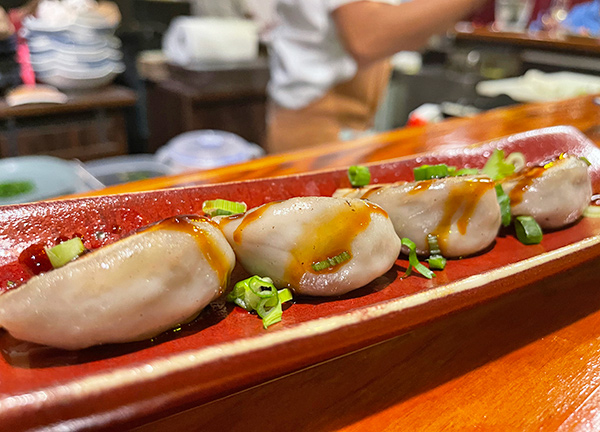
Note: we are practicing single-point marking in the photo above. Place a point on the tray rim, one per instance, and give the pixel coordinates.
(98, 383)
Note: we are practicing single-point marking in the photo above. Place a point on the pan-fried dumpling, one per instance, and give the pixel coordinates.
(554, 194)
(283, 240)
(130, 290)
(462, 212)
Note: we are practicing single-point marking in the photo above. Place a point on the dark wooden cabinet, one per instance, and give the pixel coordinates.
(232, 99)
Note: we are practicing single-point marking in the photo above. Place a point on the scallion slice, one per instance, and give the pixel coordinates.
(64, 252)
(436, 260)
(428, 172)
(528, 231)
(586, 160)
(592, 211)
(260, 295)
(496, 166)
(413, 261)
(466, 171)
(221, 207)
(285, 295)
(331, 262)
(359, 175)
(434, 248)
(504, 202)
(517, 160)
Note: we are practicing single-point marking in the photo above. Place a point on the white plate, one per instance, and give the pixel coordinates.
(537, 86)
(68, 80)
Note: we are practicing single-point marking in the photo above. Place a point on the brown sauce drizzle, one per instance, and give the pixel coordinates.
(466, 196)
(420, 186)
(526, 179)
(371, 191)
(248, 219)
(373, 188)
(329, 239)
(192, 225)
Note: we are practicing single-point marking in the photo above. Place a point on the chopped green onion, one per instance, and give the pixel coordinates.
(517, 159)
(359, 175)
(466, 171)
(221, 207)
(592, 211)
(285, 295)
(64, 252)
(428, 172)
(434, 248)
(413, 261)
(586, 160)
(331, 262)
(504, 202)
(528, 231)
(260, 295)
(270, 311)
(496, 166)
(436, 260)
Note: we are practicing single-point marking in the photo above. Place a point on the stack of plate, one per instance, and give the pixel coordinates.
(77, 51)
(9, 69)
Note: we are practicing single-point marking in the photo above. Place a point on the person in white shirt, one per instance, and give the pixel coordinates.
(329, 63)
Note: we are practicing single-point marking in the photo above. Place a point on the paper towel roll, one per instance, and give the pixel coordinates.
(195, 40)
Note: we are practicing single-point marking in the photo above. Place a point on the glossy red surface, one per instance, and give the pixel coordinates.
(226, 348)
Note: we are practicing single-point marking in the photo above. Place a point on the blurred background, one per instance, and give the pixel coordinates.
(115, 91)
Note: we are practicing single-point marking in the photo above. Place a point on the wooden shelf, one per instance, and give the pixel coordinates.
(88, 126)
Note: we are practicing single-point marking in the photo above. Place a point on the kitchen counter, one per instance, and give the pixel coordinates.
(526, 361)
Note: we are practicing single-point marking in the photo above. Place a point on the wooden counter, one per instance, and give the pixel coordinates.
(582, 113)
(539, 40)
(527, 361)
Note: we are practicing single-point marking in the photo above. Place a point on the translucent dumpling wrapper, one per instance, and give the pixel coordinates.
(286, 240)
(130, 290)
(462, 212)
(555, 194)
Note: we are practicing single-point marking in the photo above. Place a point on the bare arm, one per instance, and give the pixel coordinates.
(372, 31)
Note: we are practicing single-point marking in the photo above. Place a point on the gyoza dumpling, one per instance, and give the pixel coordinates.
(282, 240)
(463, 212)
(554, 194)
(130, 290)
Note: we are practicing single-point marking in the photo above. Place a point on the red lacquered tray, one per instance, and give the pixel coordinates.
(226, 349)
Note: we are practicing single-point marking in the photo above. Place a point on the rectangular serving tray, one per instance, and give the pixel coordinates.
(226, 349)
